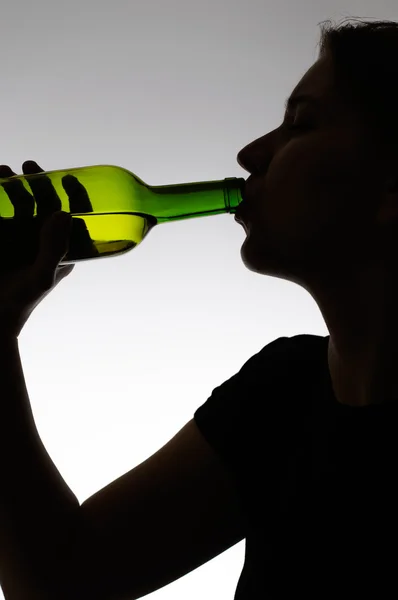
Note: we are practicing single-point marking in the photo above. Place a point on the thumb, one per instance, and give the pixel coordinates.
(54, 244)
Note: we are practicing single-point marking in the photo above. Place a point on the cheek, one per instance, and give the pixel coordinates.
(309, 209)
(307, 187)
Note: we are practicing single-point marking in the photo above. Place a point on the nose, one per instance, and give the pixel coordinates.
(242, 159)
(253, 157)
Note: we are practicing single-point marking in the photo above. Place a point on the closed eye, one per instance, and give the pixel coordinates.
(297, 125)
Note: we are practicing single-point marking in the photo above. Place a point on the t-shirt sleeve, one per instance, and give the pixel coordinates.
(242, 415)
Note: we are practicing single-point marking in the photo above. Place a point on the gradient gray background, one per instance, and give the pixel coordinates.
(121, 354)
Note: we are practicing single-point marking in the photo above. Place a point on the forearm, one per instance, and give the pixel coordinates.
(38, 511)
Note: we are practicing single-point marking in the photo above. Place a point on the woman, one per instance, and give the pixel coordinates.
(296, 453)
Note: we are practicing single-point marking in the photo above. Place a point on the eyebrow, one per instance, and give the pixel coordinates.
(293, 101)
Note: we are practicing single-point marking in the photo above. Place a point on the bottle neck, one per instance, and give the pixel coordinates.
(200, 199)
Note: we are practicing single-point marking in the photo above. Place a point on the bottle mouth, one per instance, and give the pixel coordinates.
(241, 190)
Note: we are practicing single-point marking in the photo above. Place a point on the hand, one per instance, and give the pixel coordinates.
(19, 236)
(30, 269)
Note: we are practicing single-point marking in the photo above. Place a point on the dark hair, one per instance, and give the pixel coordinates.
(365, 60)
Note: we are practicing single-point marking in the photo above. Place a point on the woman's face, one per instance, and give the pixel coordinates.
(310, 201)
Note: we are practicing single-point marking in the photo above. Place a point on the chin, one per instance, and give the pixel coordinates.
(262, 260)
(251, 259)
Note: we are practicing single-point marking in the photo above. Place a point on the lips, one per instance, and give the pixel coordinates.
(240, 211)
(246, 191)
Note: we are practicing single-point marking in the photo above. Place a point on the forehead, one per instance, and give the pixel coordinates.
(331, 102)
(317, 81)
(320, 85)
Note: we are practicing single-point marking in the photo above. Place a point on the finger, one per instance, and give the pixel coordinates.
(30, 166)
(58, 276)
(81, 244)
(47, 199)
(62, 272)
(6, 171)
(79, 201)
(20, 198)
(54, 242)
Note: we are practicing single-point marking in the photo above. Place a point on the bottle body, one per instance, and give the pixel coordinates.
(112, 209)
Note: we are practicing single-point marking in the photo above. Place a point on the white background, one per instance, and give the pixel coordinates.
(118, 358)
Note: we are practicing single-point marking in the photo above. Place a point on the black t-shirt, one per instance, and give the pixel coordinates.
(317, 480)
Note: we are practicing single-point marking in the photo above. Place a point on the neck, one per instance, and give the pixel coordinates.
(362, 319)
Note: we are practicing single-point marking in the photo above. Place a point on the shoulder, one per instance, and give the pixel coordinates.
(272, 388)
(287, 354)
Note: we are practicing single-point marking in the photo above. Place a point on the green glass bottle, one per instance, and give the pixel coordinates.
(113, 210)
